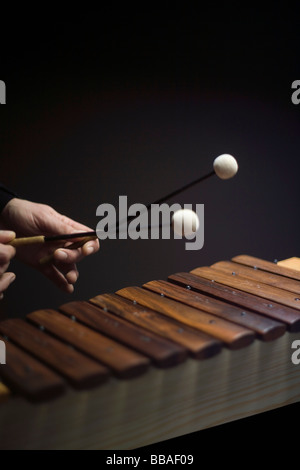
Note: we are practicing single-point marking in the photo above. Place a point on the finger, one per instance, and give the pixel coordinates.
(70, 271)
(5, 280)
(72, 225)
(74, 256)
(6, 236)
(6, 253)
(52, 273)
(56, 223)
(3, 268)
(90, 247)
(72, 276)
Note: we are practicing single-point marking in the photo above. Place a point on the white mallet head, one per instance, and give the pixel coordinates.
(225, 166)
(185, 222)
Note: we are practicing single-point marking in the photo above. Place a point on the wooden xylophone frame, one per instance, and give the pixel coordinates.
(247, 377)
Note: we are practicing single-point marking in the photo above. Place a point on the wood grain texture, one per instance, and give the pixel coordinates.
(275, 294)
(257, 275)
(163, 353)
(267, 266)
(266, 329)
(286, 315)
(124, 362)
(199, 345)
(234, 336)
(27, 376)
(27, 241)
(79, 370)
(163, 403)
(159, 405)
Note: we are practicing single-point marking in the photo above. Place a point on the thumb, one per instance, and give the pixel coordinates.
(6, 236)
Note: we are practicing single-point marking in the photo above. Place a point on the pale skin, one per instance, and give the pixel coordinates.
(24, 218)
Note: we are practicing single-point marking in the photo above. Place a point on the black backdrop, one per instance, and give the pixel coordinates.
(133, 102)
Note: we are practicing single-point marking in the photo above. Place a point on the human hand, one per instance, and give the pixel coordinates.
(7, 252)
(28, 219)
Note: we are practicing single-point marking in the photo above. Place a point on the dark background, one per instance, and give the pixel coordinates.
(136, 102)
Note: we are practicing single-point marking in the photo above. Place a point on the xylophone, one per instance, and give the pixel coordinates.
(154, 362)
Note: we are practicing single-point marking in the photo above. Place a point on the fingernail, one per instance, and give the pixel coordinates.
(8, 233)
(89, 250)
(13, 277)
(62, 254)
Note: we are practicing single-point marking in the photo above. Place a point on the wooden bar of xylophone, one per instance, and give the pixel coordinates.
(149, 363)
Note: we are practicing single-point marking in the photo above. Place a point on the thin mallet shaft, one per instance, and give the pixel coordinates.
(68, 236)
(169, 196)
(43, 239)
(180, 190)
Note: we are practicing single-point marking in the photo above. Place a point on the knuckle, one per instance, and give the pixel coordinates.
(7, 253)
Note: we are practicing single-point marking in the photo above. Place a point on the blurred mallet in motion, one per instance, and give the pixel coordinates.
(184, 222)
(225, 167)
